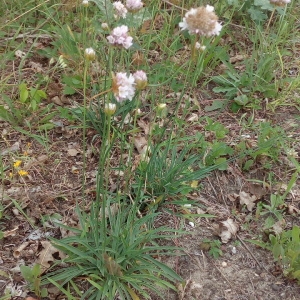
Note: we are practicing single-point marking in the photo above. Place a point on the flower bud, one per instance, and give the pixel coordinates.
(161, 106)
(85, 3)
(162, 110)
(110, 109)
(104, 26)
(90, 54)
(199, 47)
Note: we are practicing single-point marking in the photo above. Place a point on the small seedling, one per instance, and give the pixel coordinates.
(33, 277)
(213, 247)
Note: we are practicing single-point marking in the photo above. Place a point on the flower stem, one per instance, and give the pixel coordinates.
(270, 20)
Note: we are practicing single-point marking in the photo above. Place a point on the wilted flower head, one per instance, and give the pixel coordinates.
(85, 2)
(104, 26)
(201, 21)
(140, 79)
(134, 5)
(119, 37)
(123, 86)
(120, 9)
(89, 53)
(110, 108)
(280, 2)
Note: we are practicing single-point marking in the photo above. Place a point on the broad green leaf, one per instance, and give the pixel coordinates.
(44, 292)
(241, 100)
(47, 126)
(217, 104)
(27, 273)
(23, 92)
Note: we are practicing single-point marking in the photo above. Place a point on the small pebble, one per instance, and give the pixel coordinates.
(192, 224)
(233, 250)
(15, 212)
(224, 264)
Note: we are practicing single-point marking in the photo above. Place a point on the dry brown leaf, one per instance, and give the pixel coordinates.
(73, 152)
(232, 197)
(46, 255)
(57, 101)
(20, 54)
(113, 210)
(257, 190)
(193, 118)
(236, 58)
(278, 226)
(36, 66)
(144, 125)
(247, 199)
(229, 229)
(293, 210)
(140, 143)
(14, 148)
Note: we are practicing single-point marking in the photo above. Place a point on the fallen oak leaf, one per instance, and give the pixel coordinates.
(45, 257)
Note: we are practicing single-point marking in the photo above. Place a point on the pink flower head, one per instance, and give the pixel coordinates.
(134, 5)
(120, 9)
(119, 37)
(280, 2)
(123, 86)
(140, 79)
(202, 21)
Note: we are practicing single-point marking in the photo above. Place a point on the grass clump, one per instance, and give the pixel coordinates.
(133, 74)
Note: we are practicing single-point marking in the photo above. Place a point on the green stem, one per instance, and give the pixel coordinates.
(86, 66)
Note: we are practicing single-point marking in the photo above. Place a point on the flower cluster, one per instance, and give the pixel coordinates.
(134, 5)
(17, 165)
(280, 2)
(120, 8)
(130, 5)
(120, 37)
(124, 86)
(202, 21)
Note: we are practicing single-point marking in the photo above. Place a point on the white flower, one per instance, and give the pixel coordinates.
(134, 5)
(90, 53)
(85, 2)
(140, 79)
(201, 21)
(119, 37)
(123, 86)
(120, 9)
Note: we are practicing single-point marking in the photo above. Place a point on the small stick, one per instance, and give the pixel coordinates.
(252, 255)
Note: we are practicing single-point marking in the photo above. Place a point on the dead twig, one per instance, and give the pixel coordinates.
(252, 255)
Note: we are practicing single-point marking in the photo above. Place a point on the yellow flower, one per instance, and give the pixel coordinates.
(23, 173)
(17, 163)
